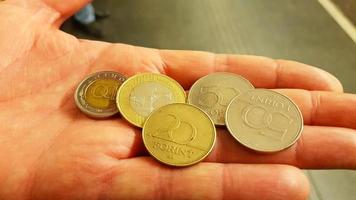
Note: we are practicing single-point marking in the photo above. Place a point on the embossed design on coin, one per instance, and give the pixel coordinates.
(170, 133)
(214, 92)
(96, 94)
(102, 93)
(271, 124)
(102, 89)
(179, 134)
(143, 93)
(264, 120)
(148, 96)
(215, 95)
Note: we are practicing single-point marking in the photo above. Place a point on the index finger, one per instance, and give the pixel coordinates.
(188, 66)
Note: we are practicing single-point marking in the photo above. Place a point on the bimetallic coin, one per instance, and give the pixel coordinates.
(143, 93)
(96, 94)
(179, 134)
(264, 120)
(214, 92)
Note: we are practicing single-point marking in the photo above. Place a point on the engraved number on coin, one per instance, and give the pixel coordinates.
(270, 124)
(216, 98)
(177, 136)
(104, 91)
(179, 132)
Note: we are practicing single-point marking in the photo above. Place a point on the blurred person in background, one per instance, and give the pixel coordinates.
(86, 20)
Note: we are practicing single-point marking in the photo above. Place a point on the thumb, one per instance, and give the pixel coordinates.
(65, 8)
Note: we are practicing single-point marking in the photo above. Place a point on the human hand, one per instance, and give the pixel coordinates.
(50, 150)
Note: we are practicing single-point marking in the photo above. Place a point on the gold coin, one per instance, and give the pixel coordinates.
(143, 93)
(214, 92)
(179, 134)
(264, 120)
(96, 94)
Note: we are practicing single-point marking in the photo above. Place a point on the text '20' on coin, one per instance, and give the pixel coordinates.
(96, 94)
(179, 134)
(214, 92)
(264, 120)
(143, 93)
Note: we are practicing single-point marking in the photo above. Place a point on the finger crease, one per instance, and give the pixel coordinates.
(315, 101)
(164, 185)
(278, 70)
(220, 62)
(298, 151)
(163, 67)
(226, 181)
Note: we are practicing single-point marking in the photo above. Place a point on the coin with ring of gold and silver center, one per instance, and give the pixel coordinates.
(143, 93)
(95, 95)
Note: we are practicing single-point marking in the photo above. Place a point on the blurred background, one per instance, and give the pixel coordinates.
(317, 32)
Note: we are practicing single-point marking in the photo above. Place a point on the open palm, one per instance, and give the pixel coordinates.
(50, 150)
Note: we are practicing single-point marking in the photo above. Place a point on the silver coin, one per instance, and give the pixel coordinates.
(264, 120)
(214, 92)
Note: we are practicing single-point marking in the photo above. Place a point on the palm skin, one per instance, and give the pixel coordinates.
(50, 150)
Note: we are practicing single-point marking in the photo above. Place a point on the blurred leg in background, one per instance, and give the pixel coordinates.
(86, 20)
(86, 15)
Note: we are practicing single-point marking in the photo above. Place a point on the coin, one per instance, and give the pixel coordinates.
(213, 93)
(96, 94)
(179, 134)
(143, 93)
(264, 120)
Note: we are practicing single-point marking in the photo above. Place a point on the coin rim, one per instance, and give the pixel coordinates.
(261, 150)
(118, 104)
(189, 98)
(180, 165)
(90, 113)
